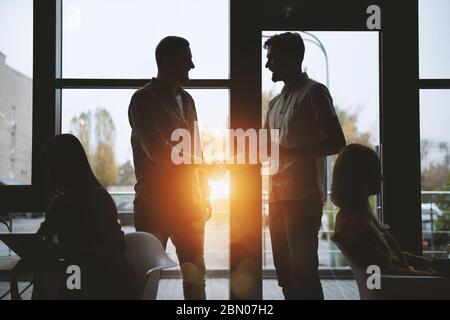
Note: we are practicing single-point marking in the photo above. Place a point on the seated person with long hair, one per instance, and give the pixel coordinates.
(81, 218)
(367, 241)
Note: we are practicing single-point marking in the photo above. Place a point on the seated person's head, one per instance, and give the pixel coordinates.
(65, 164)
(356, 176)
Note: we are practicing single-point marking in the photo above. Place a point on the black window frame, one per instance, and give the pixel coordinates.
(399, 86)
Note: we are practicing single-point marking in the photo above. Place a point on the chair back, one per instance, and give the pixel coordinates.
(147, 258)
(409, 287)
(360, 276)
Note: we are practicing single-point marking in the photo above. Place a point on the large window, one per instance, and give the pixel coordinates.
(96, 53)
(104, 51)
(435, 167)
(348, 63)
(434, 49)
(16, 70)
(107, 52)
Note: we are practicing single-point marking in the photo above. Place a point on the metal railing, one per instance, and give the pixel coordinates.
(220, 230)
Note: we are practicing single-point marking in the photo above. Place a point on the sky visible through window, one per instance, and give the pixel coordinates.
(117, 39)
(353, 73)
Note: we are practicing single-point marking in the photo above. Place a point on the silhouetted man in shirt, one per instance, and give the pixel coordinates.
(171, 200)
(309, 130)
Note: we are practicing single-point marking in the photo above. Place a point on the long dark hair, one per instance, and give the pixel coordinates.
(65, 165)
(356, 176)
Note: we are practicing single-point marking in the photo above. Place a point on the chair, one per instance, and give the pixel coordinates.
(8, 226)
(147, 258)
(395, 287)
(7, 265)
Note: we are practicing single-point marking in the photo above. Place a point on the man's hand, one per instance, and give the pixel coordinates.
(213, 171)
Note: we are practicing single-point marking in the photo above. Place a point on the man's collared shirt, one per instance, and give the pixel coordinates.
(296, 112)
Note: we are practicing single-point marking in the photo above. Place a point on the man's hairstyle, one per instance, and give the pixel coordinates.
(170, 46)
(288, 42)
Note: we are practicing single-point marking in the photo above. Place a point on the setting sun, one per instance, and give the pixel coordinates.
(220, 189)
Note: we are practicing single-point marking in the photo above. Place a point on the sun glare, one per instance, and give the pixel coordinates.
(220, 189)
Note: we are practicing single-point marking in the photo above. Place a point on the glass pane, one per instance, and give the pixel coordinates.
(213, 115)
(122, 43)
(16, 70)
(435, 167)
(434, 32)
(83, 108)
(353, 80)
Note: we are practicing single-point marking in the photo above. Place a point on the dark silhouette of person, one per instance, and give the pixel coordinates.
(356, 177)
(81, 220)
(309, 130)
(172, 200)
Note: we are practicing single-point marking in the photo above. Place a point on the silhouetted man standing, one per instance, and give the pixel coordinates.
(171, 200)
(309, 130)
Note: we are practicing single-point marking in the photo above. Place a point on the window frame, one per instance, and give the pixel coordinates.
(247, 20)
